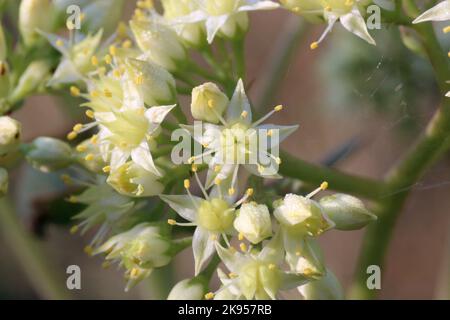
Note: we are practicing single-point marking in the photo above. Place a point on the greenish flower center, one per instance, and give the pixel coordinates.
(215, 215)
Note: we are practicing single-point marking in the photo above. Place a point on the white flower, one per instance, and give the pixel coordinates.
(139, 250)
(213, 216)
(253, 222)
(345, 11)
(440, 12)
(225, 16)
(256, 275)
(236, 143)
(78, 57)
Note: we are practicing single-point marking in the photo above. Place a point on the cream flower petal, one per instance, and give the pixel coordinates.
(142, 156)
(203, 247)
(213, 25)
(355, 23)
(238, 104)
(440, 12)
(184, 205)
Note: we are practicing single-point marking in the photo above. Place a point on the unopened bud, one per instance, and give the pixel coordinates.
(325, 288)
(188, 289)
(208, 102)
(10, 133)
(35, 15)
(33, 76)
(49, 154)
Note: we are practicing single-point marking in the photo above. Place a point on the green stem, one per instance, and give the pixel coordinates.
(315, 174)
(30, 255)
(402, 178)
(239, 53)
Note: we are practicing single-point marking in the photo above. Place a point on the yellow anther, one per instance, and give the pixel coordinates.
(94, 61)
(243, 247)
(88, 250)
(106, 169)
(127, 44)
(217, 181)
(270, 133)
(314, 45)
(107, 93)
(187, 183)
(122, 30)
(240, 236)
(308, 272)
(112, 50)
(231, 191)
(194, 168)
(244, 114)
(211, 103)
(217, 168)
(191, 160)
(117, 73)
(446, 29)
(74, 230)
(209, 296)
(59, 43)
(324, 185)
(298, 253)
(250, 192)
(94, 139)
(232, 275)
(278, 108)
(89, 157)
(134, 272)
(272, 266)
(95, 94)
(108, 59)
(349, 3)
(328, 8)
(81, 148)
(78, 127)
(213, 237)
(278, 160)
(72, 135)
(90, 114)
(74, 91)
(171, 222)
(139, 80)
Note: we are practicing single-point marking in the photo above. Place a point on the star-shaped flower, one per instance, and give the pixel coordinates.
(225, 16)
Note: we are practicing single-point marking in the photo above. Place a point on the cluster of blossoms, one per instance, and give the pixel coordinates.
(131, 79)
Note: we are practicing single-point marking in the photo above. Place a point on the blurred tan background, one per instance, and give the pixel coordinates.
(416, 265)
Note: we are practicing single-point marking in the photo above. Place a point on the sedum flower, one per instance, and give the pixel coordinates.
(208, 103)
(78, 57)
(239, 141)
(253, 222)
(346, 212)
(155, 84)
(347, 12)
(225, 17)
(189, 289)
(104, 208)
(159, 42)
(139, 251)
(213, 217)
(130, 179)
(325, 288)
(3, 182)
(193, 34)
(49, 154)
(440, 12)
(89, 155)
(255, 274)
(130, 133)
(301, 219)
(34, 16)
(10, 134)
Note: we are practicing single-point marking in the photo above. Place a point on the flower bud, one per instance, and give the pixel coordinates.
(188, 289)
(159, 42)
(32, 78)
(208, 102)
(49, 154)
(3, 182)
(193, 34)
(10, 133)
(300, 215)
(156, 84)
(325, 288)
(35, 15)
(132, 180)
(347, 212)
(253, 222)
